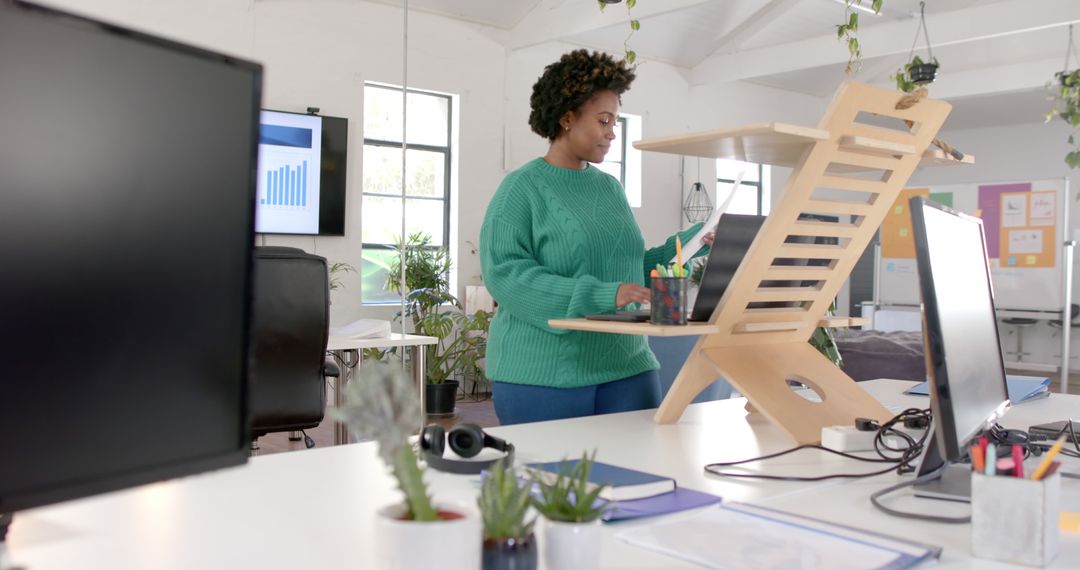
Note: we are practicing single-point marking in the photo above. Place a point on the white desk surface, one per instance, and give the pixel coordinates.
(395, 339)
(315, 508)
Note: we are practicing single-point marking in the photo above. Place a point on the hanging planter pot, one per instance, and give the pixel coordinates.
(917, 72)
(923, 73)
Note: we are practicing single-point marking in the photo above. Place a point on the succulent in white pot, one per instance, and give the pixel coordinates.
(381, 404)
(572, 535)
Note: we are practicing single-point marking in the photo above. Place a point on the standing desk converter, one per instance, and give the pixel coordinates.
(846, 167)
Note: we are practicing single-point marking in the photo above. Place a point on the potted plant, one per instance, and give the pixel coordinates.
(572, 516)
(381, 404)
(509, 542)
(915, 73)
(435, 311)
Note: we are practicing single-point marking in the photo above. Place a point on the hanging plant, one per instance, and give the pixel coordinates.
(848, 31)
(1067, 102)
(631, 56)
(916, 72)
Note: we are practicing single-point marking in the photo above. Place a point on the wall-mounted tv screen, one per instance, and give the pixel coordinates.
(301, 182)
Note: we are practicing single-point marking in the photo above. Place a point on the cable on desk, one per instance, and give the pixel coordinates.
(901, 464)
(875, 499)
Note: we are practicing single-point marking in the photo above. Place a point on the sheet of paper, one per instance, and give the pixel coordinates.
(692, 245)
(740, 536)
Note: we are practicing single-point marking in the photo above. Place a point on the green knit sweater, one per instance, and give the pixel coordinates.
(557, 243)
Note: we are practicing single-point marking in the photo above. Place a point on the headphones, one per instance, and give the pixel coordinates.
(466, 440)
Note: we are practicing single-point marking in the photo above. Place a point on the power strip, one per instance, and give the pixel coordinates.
(848, 439)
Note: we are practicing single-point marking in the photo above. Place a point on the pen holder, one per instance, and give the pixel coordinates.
(1014, 519)
(668, 306)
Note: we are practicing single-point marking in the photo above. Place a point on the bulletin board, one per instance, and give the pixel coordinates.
(1025, 225)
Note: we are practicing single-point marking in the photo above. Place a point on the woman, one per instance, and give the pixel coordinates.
(559, 240)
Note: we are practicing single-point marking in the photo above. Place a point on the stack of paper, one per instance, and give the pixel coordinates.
(739, 536)
(363, 328)
(1021, 388)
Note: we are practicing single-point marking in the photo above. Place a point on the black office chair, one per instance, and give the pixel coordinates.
(290, 317)
(1020, 323)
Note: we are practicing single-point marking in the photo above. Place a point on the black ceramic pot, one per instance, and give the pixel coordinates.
(440, 398)
(510, 554)
(923, 73)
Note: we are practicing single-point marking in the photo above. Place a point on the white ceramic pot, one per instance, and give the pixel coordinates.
(571, 546)
(445, 544)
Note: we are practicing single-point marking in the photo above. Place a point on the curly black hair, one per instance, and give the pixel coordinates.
(568, 83)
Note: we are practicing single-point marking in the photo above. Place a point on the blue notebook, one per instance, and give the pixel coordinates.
(625, 484)
(680, 499)
(1021, 388)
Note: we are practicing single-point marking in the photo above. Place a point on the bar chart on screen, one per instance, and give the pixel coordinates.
(287, 196)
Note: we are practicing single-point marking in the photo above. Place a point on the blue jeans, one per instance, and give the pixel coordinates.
(521, 403)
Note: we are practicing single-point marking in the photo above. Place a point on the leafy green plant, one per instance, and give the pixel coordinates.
(435, 311)
(567, 498)
(824, 341)
(1067, 108)
(504, 504)
(848, 32)
(635, 25)
(917, 72)
(336, 271)
(381, 404)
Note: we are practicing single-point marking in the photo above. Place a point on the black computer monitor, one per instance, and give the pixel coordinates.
(127, 197)
(968, 391)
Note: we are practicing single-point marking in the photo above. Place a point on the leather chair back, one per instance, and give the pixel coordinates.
(290, 318)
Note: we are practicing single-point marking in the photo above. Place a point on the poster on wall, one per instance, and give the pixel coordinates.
(1022, 223)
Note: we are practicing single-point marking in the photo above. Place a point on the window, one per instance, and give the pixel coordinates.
(753, 195)
(426, 201)
(623, 161)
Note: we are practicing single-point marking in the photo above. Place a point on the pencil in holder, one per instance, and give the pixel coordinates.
(1015, 519)
(668, 306)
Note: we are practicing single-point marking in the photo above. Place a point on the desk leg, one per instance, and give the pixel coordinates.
(350, 360)
(416, 355)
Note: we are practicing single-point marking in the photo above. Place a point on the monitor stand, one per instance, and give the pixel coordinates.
(954, 483)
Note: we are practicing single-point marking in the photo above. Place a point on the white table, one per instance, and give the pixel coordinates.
(315, 508)
(347, 350)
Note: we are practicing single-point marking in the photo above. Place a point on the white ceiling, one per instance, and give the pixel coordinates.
(995, 55)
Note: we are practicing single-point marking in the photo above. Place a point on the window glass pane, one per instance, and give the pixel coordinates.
(429, 121)
(382, 113)
(425, 216)
(745, 200)
(730, 169)
(612, 168)
(381, 219)
(382, 171)
(615, 153)
(374, 264)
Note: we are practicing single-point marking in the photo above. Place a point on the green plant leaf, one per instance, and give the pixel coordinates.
(876, 6)
(631, 57)
(1073, 159)
(840, 29)
(853, 22)
(602, 6)
(630, 4)
(853, 46)
(635, 25)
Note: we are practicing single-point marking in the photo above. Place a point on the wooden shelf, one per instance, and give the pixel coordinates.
(691, 329)
(781, 144)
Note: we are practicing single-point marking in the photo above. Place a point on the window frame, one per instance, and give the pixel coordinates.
(447, 162)
(759, 184)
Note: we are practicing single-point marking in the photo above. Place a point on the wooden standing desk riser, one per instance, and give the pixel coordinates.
(862, 168)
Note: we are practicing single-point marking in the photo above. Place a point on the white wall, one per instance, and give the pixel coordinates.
(1015, 153)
